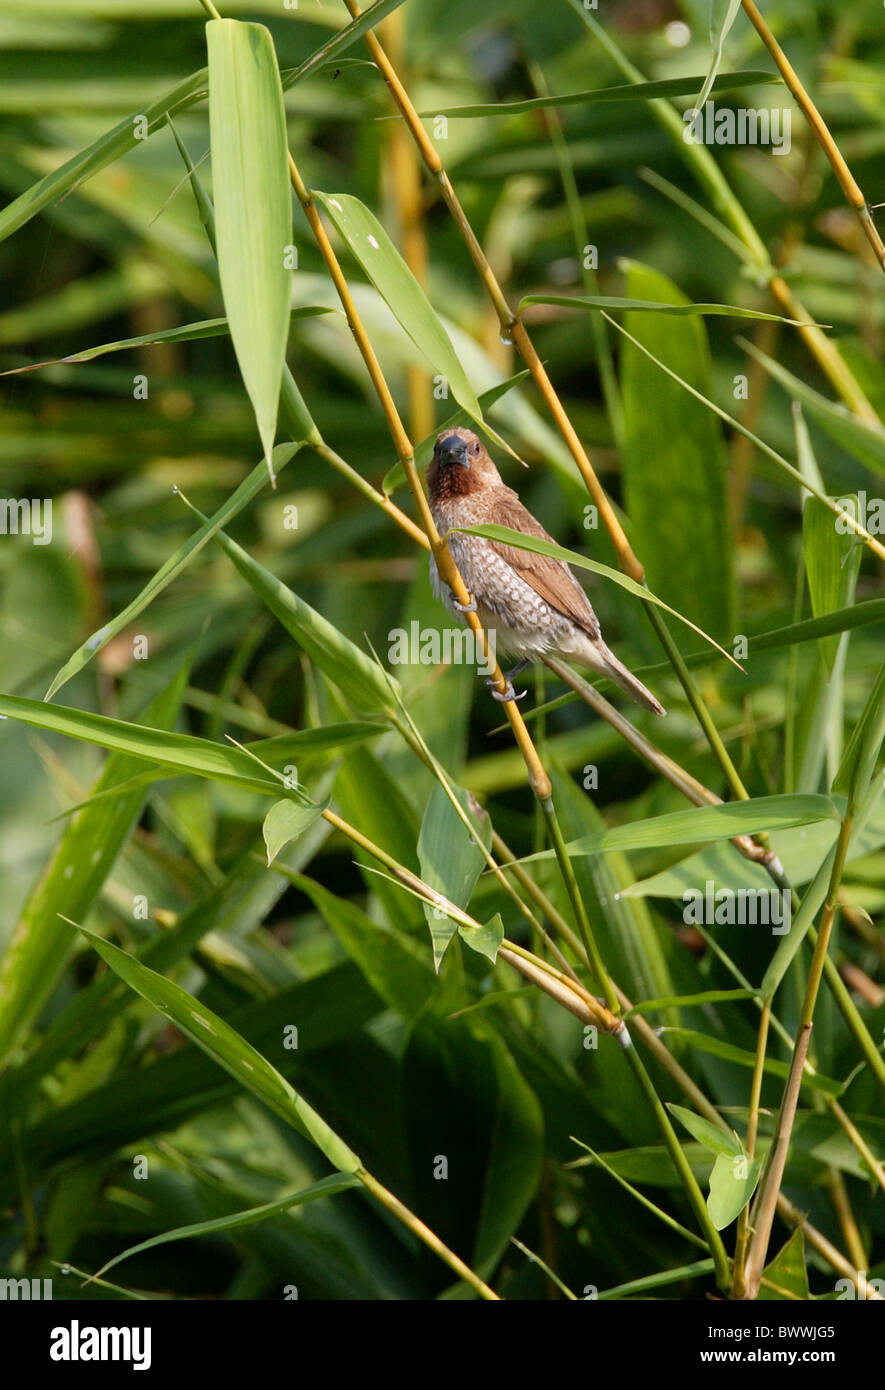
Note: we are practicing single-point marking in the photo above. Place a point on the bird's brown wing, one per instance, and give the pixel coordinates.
(550, 578)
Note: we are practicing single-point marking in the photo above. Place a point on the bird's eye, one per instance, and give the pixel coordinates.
(474, 448)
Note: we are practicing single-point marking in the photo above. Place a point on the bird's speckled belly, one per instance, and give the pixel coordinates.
(524, 625)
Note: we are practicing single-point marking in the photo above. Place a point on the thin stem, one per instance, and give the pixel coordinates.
(424, 1233)
(738, 1286)
(853, 195)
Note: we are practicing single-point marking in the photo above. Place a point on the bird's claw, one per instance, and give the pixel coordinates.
(464, 607)
(507, 695)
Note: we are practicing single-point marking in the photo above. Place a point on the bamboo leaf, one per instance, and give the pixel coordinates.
(674, 465)
(81, 863)
(326, 1187)
(732, 1183)
(521, 541)
(171, 568)
(187, 333)
(183, 753)
(226, 1047)
(253, 207)
(284, 822)
(398, 287)
(451, 862)
(723, 13)
(702, 823)
(706, 1133)
(638, 91)
(649, 306)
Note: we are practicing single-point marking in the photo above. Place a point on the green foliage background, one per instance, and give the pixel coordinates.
(117, 1128)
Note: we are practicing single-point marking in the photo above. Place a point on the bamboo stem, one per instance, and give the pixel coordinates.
(853, 195)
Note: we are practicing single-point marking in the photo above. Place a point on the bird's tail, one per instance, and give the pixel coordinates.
(617, 671)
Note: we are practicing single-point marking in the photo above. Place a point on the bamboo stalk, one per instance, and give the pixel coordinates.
(850, 189)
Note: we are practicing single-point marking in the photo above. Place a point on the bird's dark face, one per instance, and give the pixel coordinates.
(455, 451)
(460, 467)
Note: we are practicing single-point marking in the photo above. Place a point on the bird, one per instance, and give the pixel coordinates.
(532, 603)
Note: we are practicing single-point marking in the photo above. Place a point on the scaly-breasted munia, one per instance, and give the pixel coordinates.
(533, 603)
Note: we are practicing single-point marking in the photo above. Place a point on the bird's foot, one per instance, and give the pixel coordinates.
(507, 695)
(464, 607)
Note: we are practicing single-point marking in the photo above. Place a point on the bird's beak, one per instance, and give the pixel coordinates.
(452, 449)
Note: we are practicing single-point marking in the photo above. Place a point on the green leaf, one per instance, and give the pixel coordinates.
(723, 13)
(718, 1047)
(859, 438)
(702, 823)
(181, 752)
(648, 306)
(395, 965)
(399, 289)
(832, 562)
(253, 207)
(187, 333)
(326, 1187)
(521, 541)
(862, 751)
(357, 676)
(638, 91)
(451, 862)
(674, 465)
(706, 1133)
(284, 822)
(226, 1047)
(486, 940)
(171, 568)
(80, 865)
(469, 1103)
(788, 1271)
(732, 1183)
(685, 1001)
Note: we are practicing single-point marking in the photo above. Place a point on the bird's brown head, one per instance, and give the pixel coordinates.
(460, 466)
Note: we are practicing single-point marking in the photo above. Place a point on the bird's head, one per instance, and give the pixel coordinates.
(461, 465)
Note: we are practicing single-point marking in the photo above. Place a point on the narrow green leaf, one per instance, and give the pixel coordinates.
(451, 862)
(355, 674)
(521, 541)
(181, 752)
(684, 1001)
(226, 1047)
(788, 1271)
(284, 822)
(862, 752)
(702, 823)
(832, 561)
(399, 289)
(674, 464)
(82, 861)
(638, 91)
(718, 1047)
(253, 207)
(649, 306)
(858, 437)
(706, 1133)
(171, 568)
(188, 332)
(723, 13)
(326, 1187)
